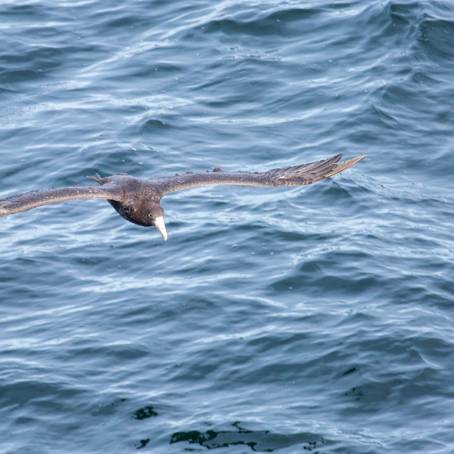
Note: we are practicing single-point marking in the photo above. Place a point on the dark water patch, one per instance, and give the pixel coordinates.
(142, 443)
(256, 441)
(145, 413)
(352, 370)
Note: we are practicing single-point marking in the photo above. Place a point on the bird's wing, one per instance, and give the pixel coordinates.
(29, 200)
(288, 176)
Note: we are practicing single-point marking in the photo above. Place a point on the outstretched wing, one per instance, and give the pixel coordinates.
(288, 176)
(29, 200)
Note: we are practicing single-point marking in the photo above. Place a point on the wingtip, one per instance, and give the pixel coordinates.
(346, 165)
(356, 159)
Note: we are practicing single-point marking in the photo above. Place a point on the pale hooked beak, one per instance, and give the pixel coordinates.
(161, 226)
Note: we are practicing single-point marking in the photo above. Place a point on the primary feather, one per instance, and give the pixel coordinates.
(287, 176)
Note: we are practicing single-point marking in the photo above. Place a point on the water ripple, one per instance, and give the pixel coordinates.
(311, 319)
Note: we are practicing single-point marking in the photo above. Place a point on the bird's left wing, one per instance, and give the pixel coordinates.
(287, 176)
(29, 200)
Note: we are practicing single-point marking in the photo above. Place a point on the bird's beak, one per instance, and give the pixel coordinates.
(161, 226)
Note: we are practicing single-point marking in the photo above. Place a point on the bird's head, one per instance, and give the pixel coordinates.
(155, 217)
(147, 213)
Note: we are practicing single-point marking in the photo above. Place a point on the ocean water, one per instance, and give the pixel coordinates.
(315, 319)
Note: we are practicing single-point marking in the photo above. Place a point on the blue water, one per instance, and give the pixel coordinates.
(316, 319)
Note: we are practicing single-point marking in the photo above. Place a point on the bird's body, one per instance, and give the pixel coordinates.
(134, 197)
(138, 200)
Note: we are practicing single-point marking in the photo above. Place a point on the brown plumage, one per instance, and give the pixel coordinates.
(138, 200)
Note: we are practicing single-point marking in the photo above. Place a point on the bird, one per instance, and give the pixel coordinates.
(138, 200)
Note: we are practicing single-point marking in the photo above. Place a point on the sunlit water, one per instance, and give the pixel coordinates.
(287, 320)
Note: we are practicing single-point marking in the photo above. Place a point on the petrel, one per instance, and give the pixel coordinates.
(138, 200)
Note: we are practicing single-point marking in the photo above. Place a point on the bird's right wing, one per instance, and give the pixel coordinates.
(29, 200)
(287, 176)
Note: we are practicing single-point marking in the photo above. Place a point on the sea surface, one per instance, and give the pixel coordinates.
(315, 319)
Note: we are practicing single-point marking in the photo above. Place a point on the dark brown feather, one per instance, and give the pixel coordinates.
(288, 176)
(29, 200)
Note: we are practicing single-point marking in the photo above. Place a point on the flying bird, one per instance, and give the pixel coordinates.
(138, 200)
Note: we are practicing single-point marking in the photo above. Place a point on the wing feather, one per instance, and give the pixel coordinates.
(29, 200)
(289, 176)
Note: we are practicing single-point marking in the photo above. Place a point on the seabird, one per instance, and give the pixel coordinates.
(138, 200)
